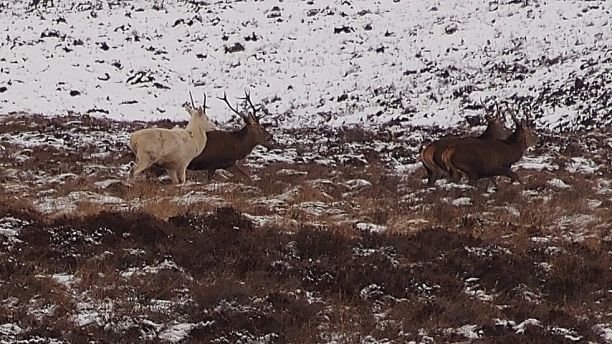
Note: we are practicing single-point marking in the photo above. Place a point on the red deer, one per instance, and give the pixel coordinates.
(225, 148)
(481, 159)
(431, 155)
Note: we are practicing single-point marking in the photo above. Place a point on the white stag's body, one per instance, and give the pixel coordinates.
(171, 149)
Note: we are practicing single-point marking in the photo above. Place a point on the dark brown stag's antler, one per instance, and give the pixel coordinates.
(247, 98)
(230, 105)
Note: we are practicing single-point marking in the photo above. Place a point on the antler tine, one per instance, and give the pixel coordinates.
(229, 105)
(497, 111)
(247, 97)
(513, 114)
(486, 111)
(527, 111)
(192, 102)
(482, 103)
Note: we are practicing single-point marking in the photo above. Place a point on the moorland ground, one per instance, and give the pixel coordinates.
(335, 240)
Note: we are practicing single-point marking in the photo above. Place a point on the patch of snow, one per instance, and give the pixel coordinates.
(89, 312)
(449, 186)
(566, 333)
(10, 227)
(274, 204)
(357, 184)
(372, 340)
(593, 203)
(520, 328)
(67, 280)
(582, 165)
(541, 163)
(271, 220)
(502, 322)
(290, 195)
(604, 187)
(407, 169)
(370, 227)
(473, 289)
(542, 240)
(558, 183)
(604, 331)
(68, 203)
(290, 172)
(199, 197)
(545, 266)
(488, 251)
(165, 265)
(371, 292)
(512, 211)
(467, 331)
(10, 329)
(551, 250)
(103, 184)
(176, 332)
(462, 201)
(388, 252)
(317, 208)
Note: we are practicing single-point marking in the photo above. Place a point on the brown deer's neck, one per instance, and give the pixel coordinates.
(489, 133)
(517, 144)
(246, 141)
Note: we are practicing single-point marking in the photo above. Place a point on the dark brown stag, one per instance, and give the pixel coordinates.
(431, 155)
(225, 148)
(476, 159)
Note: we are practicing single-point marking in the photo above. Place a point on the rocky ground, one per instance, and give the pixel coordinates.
(335, 240)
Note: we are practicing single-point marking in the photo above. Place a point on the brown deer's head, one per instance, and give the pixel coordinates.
(524, 132)
(257, 133)
(495, 125)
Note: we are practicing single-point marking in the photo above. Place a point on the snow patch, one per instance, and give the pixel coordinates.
(558, 183)
(370, 227)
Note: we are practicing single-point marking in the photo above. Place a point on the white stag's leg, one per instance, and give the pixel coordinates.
(182, 174)
(173, 176)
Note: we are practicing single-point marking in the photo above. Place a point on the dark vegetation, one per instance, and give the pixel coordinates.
(242, 279)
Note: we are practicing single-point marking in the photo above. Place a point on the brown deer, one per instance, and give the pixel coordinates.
(431, 155)
(477, 159)
(225, 148)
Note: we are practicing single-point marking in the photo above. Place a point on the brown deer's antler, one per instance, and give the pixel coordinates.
(247, 98)
(229, 105)
(513, 113)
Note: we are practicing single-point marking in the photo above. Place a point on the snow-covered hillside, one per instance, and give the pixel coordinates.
(312, 62)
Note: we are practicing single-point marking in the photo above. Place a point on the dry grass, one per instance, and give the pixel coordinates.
(284, 257)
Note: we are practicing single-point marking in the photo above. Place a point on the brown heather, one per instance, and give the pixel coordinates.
(308, 275)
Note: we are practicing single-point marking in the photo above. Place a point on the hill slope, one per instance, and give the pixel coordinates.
(313, 62)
